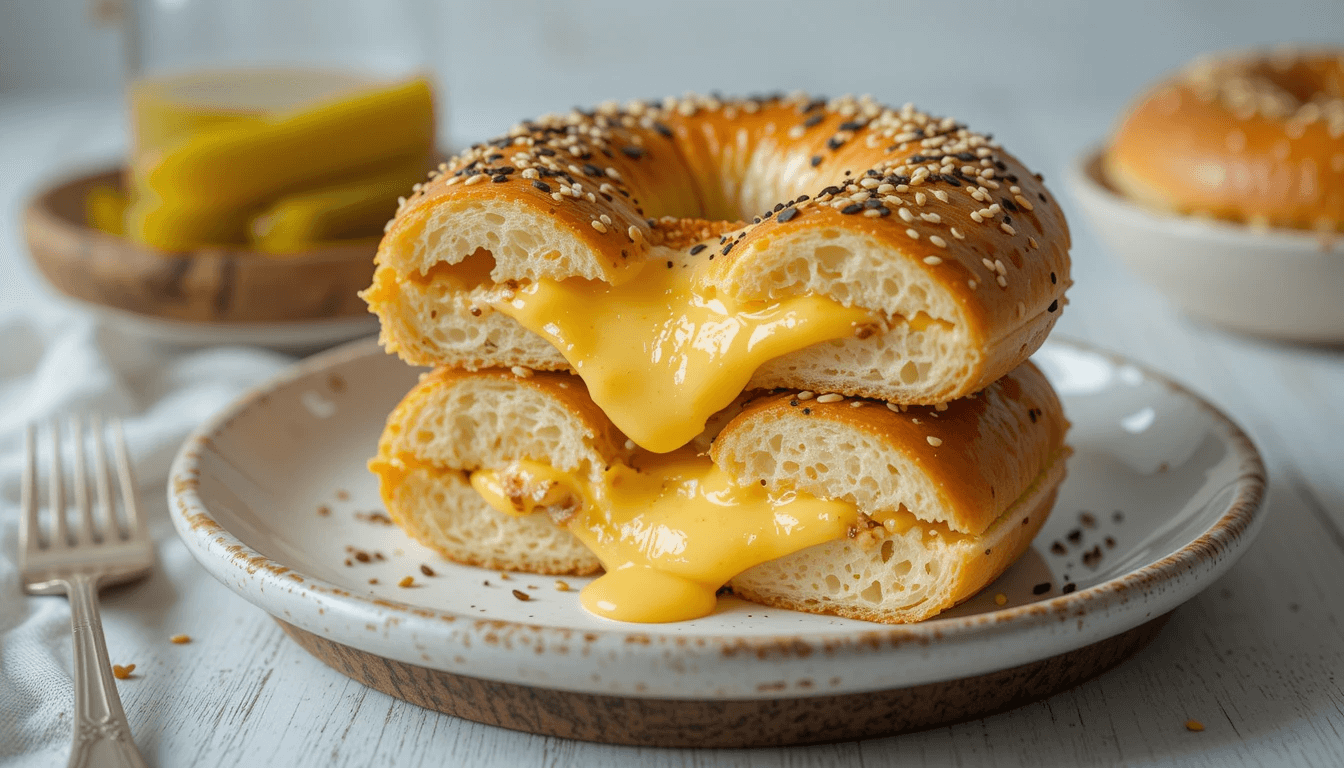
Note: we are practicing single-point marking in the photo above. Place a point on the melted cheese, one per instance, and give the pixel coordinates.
(669, 534)
(659, 355)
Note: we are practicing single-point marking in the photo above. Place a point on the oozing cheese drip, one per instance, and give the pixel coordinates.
(670, 534)
(659, 356)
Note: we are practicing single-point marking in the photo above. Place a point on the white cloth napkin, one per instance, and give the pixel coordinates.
(55, 360)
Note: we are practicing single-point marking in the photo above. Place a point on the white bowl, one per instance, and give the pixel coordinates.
(1282, 284)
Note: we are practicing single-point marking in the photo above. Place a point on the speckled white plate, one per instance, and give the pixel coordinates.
(273, 498)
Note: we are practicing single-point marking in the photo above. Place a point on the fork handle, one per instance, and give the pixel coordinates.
(102, 736)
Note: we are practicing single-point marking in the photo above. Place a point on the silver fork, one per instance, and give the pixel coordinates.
(74, 559)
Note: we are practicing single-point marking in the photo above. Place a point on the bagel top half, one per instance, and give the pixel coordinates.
(951, 252)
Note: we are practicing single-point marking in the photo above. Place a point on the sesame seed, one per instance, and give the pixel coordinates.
(830, 397)
(972, 284)
(957, 233)
(786, 215)
(912, 234)
(938, 241)
(905, 215)
(557, 197)
(851, 209)
(856, 404)
(406, 582)
(1002, 281)
(180, 639)
(521, 372)
(934, 441)
(543, 186)
(1024, 202)
(874, 213)
(894, 408)
(561, 586)
(477, 179)
(806, 394)
(1031, 241)
(1006, 227)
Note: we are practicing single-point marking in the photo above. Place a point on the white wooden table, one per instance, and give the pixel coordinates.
(1258, 658)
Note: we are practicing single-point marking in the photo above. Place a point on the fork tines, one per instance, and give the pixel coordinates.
(86, 528)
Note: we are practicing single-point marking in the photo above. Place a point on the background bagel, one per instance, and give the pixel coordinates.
(1253, 137)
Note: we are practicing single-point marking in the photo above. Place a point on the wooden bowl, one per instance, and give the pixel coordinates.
(211, 295)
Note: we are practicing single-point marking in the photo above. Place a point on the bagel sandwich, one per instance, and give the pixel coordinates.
(687, 250)
(819, 503)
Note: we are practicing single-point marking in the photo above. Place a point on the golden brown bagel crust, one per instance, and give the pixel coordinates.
(980, 243)
(1253, 137)
(980, 453)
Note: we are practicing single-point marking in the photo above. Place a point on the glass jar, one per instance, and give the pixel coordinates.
(278, 126)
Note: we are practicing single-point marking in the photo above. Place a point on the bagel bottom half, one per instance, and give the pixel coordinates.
(848, 506)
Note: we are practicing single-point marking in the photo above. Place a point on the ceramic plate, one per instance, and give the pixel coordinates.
(273, 498)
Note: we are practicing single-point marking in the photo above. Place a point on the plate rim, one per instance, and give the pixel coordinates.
(1232, 531)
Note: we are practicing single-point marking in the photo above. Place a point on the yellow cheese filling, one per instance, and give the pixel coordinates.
(670, 533)
(660, 355)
